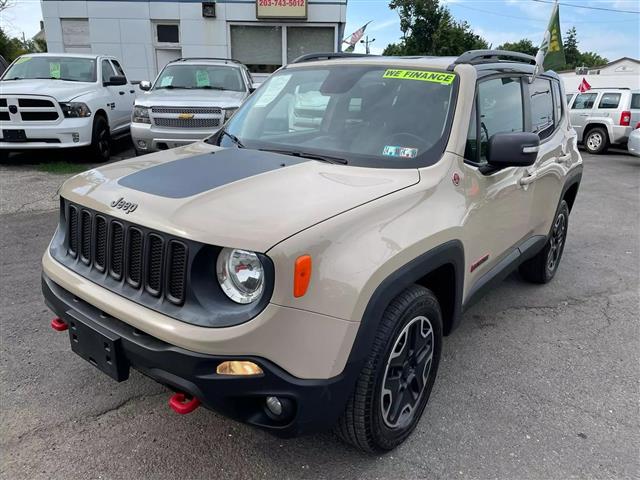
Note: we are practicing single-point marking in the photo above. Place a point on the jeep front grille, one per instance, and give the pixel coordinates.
(144, 260)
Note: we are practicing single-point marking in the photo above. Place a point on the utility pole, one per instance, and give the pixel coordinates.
(367, 42)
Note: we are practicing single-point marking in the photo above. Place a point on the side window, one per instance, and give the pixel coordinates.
(635, 101)
(557, 103)
(541, 107)
(584, 101)
(107, 70)
(118, 68)
(501, 109)
(609, 100)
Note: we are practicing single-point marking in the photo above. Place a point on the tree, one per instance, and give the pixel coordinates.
(571, 52)
(429, 29)
(523, 46)
(591, 59)
(11, 48)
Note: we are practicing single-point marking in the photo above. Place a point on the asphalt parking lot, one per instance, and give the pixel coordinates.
(540, 382)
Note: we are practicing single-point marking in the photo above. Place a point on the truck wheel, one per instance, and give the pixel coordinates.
(596, 141)
(100, 149)
(543, 267)
(394, 385)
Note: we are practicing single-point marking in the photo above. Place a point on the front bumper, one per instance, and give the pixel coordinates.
(68, 133)
(316, 404)
(150, 138)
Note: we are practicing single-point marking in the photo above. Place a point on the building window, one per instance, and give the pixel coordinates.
(303, 40)
(75, 35)
(168, 33)
(258, 47)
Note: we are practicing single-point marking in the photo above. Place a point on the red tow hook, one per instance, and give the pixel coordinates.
(58, 325)
(180, 403)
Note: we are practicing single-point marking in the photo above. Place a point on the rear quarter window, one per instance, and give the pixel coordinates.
(635, 101)
(609, 100)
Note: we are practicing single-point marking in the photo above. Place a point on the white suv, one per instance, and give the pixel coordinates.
(63, 101)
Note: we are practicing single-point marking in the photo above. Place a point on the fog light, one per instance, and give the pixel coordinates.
(76, 137)
(238, 367)
(142, 144)
(274, 405)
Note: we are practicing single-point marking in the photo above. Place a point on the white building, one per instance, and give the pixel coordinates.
(146, 34)
(621, 73)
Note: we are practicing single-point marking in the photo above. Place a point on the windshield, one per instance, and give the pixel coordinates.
(214, 77)
(73, 69)
(366, 115)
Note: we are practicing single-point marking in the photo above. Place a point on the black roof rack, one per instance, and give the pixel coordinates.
(310, 57)
(474, 57)
(233, 60)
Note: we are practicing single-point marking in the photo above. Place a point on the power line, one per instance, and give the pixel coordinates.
(460, 5)
(588, 8)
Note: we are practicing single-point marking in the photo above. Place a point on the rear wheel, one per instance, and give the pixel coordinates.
(596, 140)
(395, 383)
(100, 149)
(543, 267)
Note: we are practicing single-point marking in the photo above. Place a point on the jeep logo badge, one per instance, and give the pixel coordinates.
(127, 207)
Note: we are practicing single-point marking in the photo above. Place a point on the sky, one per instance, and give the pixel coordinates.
(610, 34)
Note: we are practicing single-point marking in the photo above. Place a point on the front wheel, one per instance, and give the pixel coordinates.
(543, 267)
(395, 383)
(100, 149)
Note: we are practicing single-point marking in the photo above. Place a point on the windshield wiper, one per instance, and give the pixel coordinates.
(233, 138)
(171, 87)
(312, 156)
(209, 87)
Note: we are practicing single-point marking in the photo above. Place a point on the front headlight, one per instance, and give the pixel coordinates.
(140, 115)
(75, 110)
(240, 275)
(228, 112)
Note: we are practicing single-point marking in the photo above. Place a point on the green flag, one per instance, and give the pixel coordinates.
(552, 48)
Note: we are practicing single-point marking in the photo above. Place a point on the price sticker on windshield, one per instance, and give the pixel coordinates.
(202, 78)
(420, 75)
(54, 70)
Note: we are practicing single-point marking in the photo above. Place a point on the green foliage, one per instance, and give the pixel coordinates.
(574, 58)
(428, 28)
(523, 46)
(12, 48)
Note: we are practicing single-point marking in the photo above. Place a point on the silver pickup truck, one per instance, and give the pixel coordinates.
(190, 100)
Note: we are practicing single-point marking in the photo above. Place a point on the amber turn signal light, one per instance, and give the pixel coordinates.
(302, 275)
(238, 367)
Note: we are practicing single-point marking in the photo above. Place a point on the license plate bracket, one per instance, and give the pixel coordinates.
(11, 135)
(98, 346)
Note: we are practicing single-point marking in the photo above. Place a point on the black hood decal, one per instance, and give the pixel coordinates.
(193, 175)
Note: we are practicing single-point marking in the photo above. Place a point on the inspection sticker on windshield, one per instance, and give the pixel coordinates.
(422, 75)
(401, 152)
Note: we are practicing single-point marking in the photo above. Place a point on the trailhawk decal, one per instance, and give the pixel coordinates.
(422, 75)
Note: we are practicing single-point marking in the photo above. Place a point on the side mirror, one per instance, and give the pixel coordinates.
(116, 80)
(145, 85)
(518, 149)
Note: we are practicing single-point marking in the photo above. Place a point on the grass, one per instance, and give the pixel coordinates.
(61, 168)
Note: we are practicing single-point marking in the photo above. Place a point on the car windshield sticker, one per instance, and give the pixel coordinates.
(166, 81)
(22, 60)
(54, 70)
(422, 75)
(202, 78)
(401, 152)
(273, 88)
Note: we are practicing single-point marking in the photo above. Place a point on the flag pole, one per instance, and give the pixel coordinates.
(544, 46)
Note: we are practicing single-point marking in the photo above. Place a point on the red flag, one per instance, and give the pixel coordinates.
(584, 86)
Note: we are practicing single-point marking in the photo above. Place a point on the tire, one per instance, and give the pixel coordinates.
(596, 141)
(543, 267)
(371, 421)
(100, 149)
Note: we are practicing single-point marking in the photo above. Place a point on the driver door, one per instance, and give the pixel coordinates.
(497, 203)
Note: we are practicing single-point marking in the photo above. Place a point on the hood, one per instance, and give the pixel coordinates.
(192, 98)
(61, 90)
(230, 197)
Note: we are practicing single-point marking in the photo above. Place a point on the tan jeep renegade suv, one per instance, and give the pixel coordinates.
(298, 270)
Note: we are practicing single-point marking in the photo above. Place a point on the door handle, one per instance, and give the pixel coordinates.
(528, 179)
(121, 92)
(132, 91)
(564, 158)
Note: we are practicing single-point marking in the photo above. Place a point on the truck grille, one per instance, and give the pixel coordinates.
(187, 123)
(195, 110)
(144, 260)
(30, 109)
